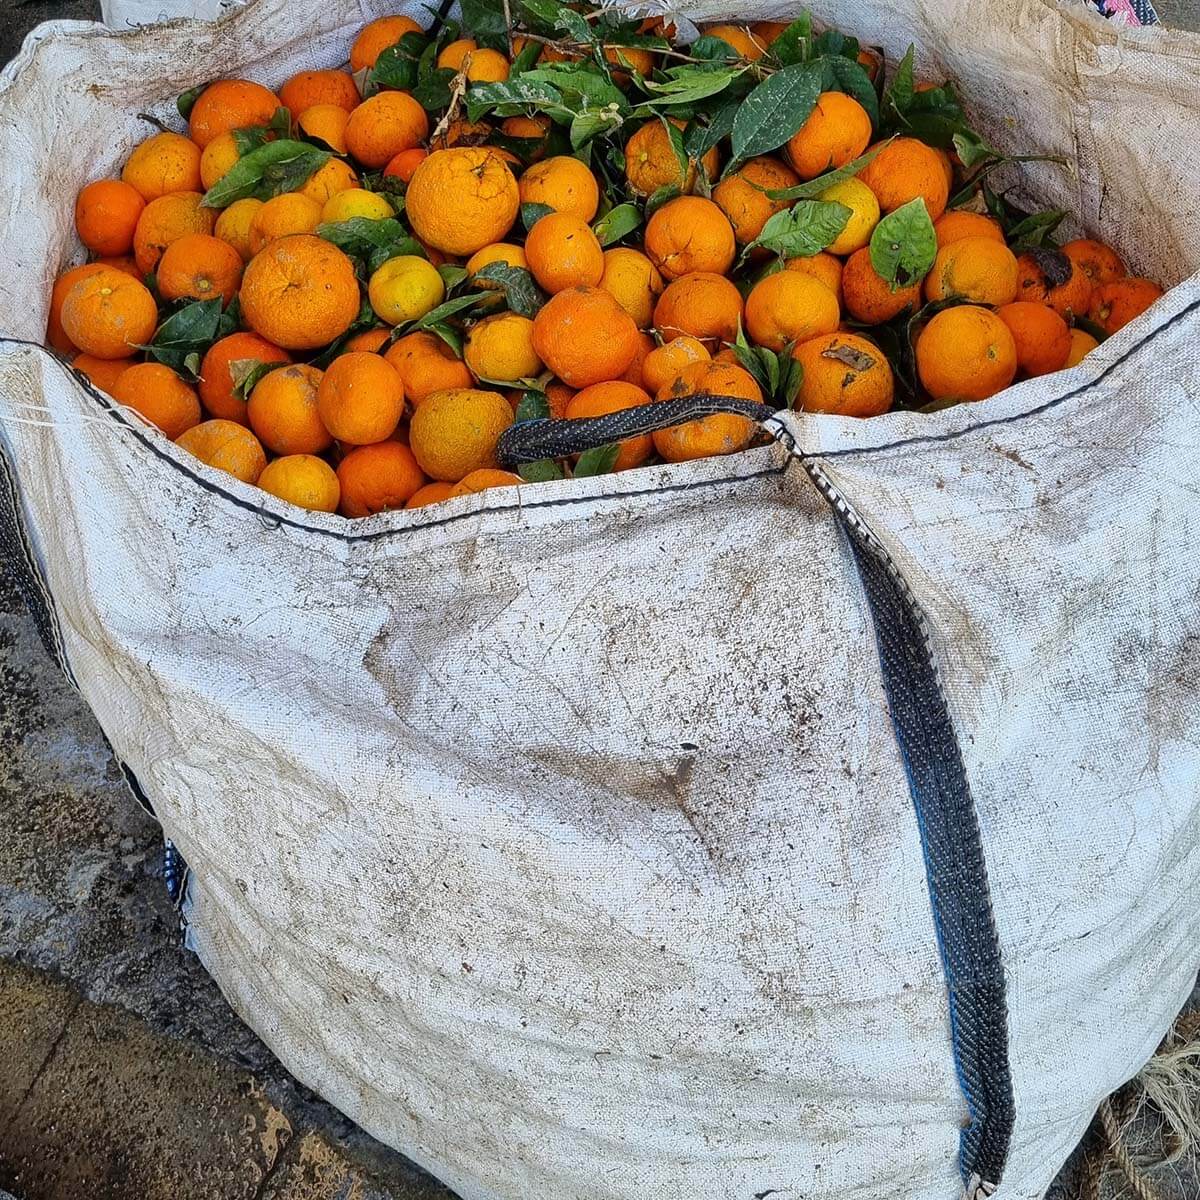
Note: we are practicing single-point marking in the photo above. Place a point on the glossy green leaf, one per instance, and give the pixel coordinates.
(775, 110)
(804, 229)
(522, 294)
(904, 245)
(600, 460)
(270, 170)
(617, 223)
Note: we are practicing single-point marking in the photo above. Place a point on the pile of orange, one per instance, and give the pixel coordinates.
(395, 274)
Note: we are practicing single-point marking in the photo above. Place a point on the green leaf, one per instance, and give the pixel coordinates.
(250, 138)
(592, 122)
(449, 335)
(792, 45)
(280, 123)
(599, 460)
(570, 22)
(898, 97)
(972, 149)
(545, 470)
(435, 316)
(523, 295)
(675, 139)
(452, 275)
(904, 245)
(187, 332)
(433, 92)
(690, 84)
(511, 98)
(775, 110)
(793, 377)
(814, 187)
(484, 17)
(617, 223)
(577, 82)
(541, 14)
(659, 197)
(532, 213)
(277, 167)
(699, 139)
(835, 43)
(525, 60)
(369, 240)
(1036, 229)
(713, 49)
(848, 76)
(804, 229)
(534, 405)
(398, 66)
(185, 100)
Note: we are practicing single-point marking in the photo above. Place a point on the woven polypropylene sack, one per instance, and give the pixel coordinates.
(565, 838)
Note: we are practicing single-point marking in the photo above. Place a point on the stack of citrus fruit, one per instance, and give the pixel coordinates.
(345, 291)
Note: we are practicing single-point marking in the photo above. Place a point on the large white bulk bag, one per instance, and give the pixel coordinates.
(821, 822)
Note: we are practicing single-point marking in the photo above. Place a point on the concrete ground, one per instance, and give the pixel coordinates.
(126, 1075)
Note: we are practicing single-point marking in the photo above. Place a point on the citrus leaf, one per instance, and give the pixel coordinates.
(433, 92)
(185, 100)
(545, 470)
(578, 82)
(1037, 229)
(449, 335)
(591, 122)
(675, 138)
(534, 405)
(483, 17)
(246, 372)
(185, 333)
(792, 45)
(532, 213)
(904, 245)
(814, 187)
(435, 316)
(616, 223)
(572, 23)
(690, 84)
(523, 295)
(277, 167)
(804, 229)
(793, 377)
(398, 66)
(452, 275)
(250, 138)
(834, 43)
(775, 110)
(900, 92)
(511, 98)
(847, 75)
(659, 197)
(541, 13)
(713, 49)
(599, 460)
(699, 139)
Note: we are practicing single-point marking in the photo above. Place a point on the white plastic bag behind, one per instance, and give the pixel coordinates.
(562, 838)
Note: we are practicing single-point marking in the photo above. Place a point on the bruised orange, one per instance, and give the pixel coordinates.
(226, 446)
(602, 398)
(721, 433)
(844, 374)
(705, 305)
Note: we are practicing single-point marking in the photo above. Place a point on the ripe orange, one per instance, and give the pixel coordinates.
(376, 37)
(704, 305)
(1042, 338)
(220, 372)
(427, 365)
(1067, 299)
(360, 398)
(1100, 263)
(837, 131)
(823, 267)
(462, 199)
(164, 163)
(106, 214)
(300, 292)
(789, 307)
(370, 341)
(966, 353)
(721, 433)
(201, 267)
(166, 220)
(743, 198)
(957, 224)
(230, 104)
(584, 336)
(1117, 303)
(1082, 344)
(404, 165)
(484, 480)
(479, 66)
(868, 297)
(979, 269)
(327, 123)
(633, 282)
(233, 225)
(633, 372)
(454, 54)
(661, 366)
(602, 398)
(219, 157)
(690, 234)
(103, 372)
(905, 169)
(108, 314)
(383, 126)
(431, 493)
(454, 432)
(563, 252)
(335, 177)
(377, 478)
(500, 349)
(160, 396)
(563, 183)
(283, 411)
(307, 89)
(650, 161)
(303, 480)
(56, 336)
(282, 216)
(844, 374)
(226, 446)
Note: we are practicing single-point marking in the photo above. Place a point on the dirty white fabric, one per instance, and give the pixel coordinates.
(563, 841)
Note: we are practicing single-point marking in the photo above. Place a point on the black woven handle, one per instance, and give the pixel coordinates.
(531, 441)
